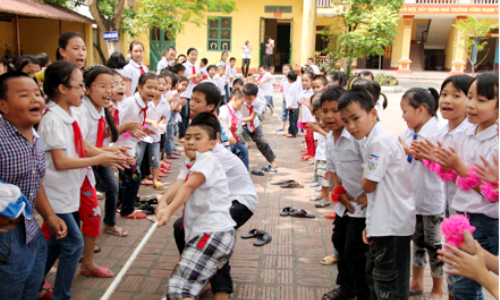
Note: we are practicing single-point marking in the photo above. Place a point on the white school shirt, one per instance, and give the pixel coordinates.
(132, 71)
(227, 67)
(391, 206)
(56, 131)
(258, 107)
(292, 95)
(267, 87)
(189, 71)
(246, 52)
(220, 82)
(306, 114)
(315, 69)
(429, 191)
(224, 113)
(285, 85)
(241, 186)
(204, 70)
(445, 136)
(207, 209)
(92, 116)
(162, 64)
(232, 73)
(155, 113)
(345, 158)
(131, 109)
(379, 110)
(469, 147)
(261, 96)
(320, 147)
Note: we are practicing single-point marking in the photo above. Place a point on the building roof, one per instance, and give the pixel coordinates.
(41, 10)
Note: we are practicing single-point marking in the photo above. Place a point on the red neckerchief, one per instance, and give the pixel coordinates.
(142, 70)
(259, 78)
(116, 117)
(234, 122)
(143, 110)
(194, 73)
(250, 111)
(101, 133)
(78, 140)
(188, 166)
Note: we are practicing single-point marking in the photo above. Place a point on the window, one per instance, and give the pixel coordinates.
(277, 9)
(219, 34)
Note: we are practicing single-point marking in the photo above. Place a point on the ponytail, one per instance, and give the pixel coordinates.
(377, 92)
(428, 98)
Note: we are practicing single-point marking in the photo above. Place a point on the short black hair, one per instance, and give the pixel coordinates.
(205, 61)
(173, 77)
(211, 67)
(182, 79)
(331, 94)
(360, 96)
(176, 68)
(487, 85)
(211, 92)
(460, 82)
(251, 89)
(316, 106)
(4, 78)
(232, 58)
(237, 93)
(292, 75)
(320, 77)
(238, 81)
(24, 60)
(208, 122)
(43, 58)
(116, 61)
(365, 74)
(310, 74)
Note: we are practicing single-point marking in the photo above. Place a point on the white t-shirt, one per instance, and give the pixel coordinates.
(92, 117)
(391, 206)
(285, 85)
(470, 146)
(320, 147)
(315, 69)
(155, 113)
(257, 106)
(207, 209)
(232, 76)
(246, 52)
(189, 71)
(162, 64)
(306, 114)
(240, 184)
(204, 70)
(292, 95)
(227, 68)
(131, 108)
(132, 71)
(56, 131)
(267, 87)
(429, 193)
(220, 82)
(345, 159)
(445, 136)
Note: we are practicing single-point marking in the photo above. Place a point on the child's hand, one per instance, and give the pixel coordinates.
(183, 101)
(163, 127)
(199, 77)
(148, 131)
(405, 145)
(131, 126)
(154, 124)
(306, 102)
(488, 173)
(363, 199)
(328, 175)
(58, 226)
(366, 239)
(289, 108)
(447, 158)
(346, 200)
(466, 265)
(425, 150)
(313, 126)
(162, 216)
(112, 160)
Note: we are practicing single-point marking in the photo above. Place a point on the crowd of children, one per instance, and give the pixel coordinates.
(68, 131)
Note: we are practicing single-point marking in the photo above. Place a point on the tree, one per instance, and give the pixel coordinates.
(369, 26)
(474, 34)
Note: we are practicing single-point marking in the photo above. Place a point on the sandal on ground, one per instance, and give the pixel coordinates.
(329, 260)
(287, 210)
(251, 234)
(121, 232)
(146, 182)
(304, 158)
(162, 175)
(147, 208)
(269, 169)
(322, 203)
(47, 296)
(337, 294)
(302, 214)
(279, 130)
(101, 272)
(257, 172)
(292, 185)
(315, 198)
(136, 215)
(314, 184)
(158, 185)
(152, 199)
(97, 249)
(281, 181)
(414, 293)
(290, 136)
(262, 238)
(331, 215)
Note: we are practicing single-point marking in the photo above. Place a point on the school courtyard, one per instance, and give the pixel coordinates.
(288, 268)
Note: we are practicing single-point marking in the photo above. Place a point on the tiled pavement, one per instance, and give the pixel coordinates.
(286, 269)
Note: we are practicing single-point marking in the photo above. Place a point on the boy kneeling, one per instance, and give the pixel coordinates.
(202, 187)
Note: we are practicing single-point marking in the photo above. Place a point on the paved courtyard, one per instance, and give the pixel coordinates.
(288, 268)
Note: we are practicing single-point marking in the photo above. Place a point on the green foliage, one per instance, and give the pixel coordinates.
(386, 80)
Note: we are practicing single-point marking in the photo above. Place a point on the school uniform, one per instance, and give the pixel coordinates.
(234, 117)
(254, 129)
(168, 146)
(379, 109)
(191, 69)
(284, 111)
(220, 82)
(162, 64)
(209, 229)
(292, 102)
(305, 117)
(227, 73)
(482, 214)
(344, 158)
(315, 69)
(204, 70)
(232, 74)
(429, 203)
(267, 88)
(22, 164)
(390, 215)
(245, 60)
(133, 71)
(320, 157)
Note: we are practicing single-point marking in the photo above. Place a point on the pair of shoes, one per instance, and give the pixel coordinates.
(262, 237)
(292, 185)
(269, 169)
(257, 172)
(293, 212)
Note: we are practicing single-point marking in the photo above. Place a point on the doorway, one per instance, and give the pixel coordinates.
(280, 30)
(159, 42)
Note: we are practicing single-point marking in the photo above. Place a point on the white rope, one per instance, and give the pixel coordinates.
(129, 262)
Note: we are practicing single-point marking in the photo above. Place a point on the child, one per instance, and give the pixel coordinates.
(135, 68)
(203, 66)
(305, 114)
(211, 73)
(116, 62)
(480, 138)
(241, 188)
(232, 73)
(390, 215)
(292, 103)
(319, 83)
(44, 60)
(377, 92)
(230, 116)
(265, 82)
(167, 60)
(22, 163)
(72, 49)
(253, 127)
(28, 64)
(227, 72)
(366, 74)
(65, 148)
(202, 187)
(134, 108)
(284, 84)
(344, 167)
(179, 85)
(338, 78)
(194, 77)
(220, 81)
(181, 59)
(419, 108)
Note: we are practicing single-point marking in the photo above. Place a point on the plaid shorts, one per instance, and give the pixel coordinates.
(320, 173)
(201, 259)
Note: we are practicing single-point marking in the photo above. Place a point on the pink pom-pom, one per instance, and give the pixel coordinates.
(453, 230)
(487, 190)
(469, 182)
(126, 135)
(448, 175)
(279, 89)
(427, 164)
